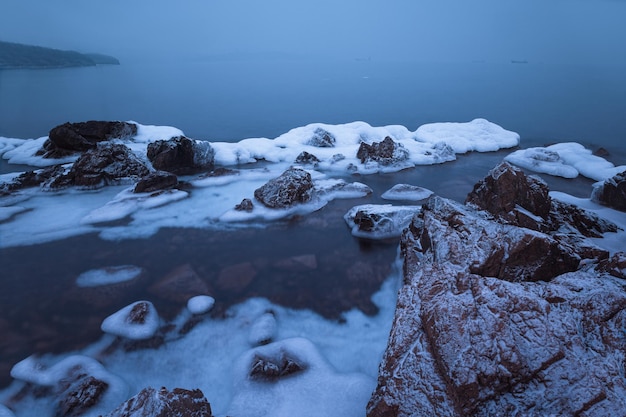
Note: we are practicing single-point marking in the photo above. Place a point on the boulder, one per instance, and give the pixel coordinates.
(306, 158)
(32, 179)
(386, 152)
(78, 393)
(612, 192)
(70, 138)
(106, 164)
(151, 402)
(156, 181)
(181, 155)
(321, 139)
(292, 187)
(271, 369)
(245, 205)
(497, 319)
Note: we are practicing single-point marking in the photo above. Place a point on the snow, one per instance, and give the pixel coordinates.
(109, 275)
(5, 412)
(200, 304)
(566, 160)
(119, 323)
(263, 330)
(406, 192)
(389, 220)
(22, 151)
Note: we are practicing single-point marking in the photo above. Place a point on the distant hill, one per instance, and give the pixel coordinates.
(18, 56)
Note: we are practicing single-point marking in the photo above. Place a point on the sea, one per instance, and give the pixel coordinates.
(232, 99)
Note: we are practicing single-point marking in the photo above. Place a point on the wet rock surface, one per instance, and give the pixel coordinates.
(155, 181)
(385, 152)
(498, 319)
(151, 402)
(69, 138)
(612, 192)
(292, 187)
(181, 155)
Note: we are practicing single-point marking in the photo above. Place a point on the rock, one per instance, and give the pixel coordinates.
(375, 221)
(245, 205)
(181, 155)
(106, 164)
(179, 285)
(33, 178)
(615, 265)
(293, 186)
(150, 402)
(137, 321)
(321, 139)
(497, 319)
(79, 392)
(236, 278)
(155, 181)
(297, 263)
(612, 192)
(270, 369)
(69, 138)
(306, 158)
(386, 152)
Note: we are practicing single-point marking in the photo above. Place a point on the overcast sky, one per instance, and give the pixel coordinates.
(537, 30)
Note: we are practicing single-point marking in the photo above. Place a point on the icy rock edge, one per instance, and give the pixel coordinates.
(498, 319)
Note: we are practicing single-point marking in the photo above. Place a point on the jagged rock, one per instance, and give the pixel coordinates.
(181, 155)
(496, 319)
(386, 152)
(106, 164)
(293, 186)
(612, 192)
(78, 393)
(70, 138)
(306, 158)
(245, 205)
(163, 403)
(155, 181)
(321, 139)
(179, 285)
(270, 370)
(615, 265)
(32, 178)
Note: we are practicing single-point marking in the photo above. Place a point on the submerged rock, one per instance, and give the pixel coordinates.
(386, 152)
(70, 138)
(151, 402)
(612, 192)
(181, 155)
(498, 319)
(292, 187)
(155, 181)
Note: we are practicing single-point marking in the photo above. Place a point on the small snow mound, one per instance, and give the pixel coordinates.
(263, 330)
(137, 321)
(406, 192)
(5, 412)
(200, 304)
(373, 221)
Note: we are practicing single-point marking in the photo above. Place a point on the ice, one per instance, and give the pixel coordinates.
(200, 304)
(406, 192)
(478, 135)
(376, 221)
(24, 152)
(5, 412)
(565, 160)
(7, 212)
(123, 324)
(109, 275)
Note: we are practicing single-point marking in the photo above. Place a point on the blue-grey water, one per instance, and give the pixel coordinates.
(40, 308)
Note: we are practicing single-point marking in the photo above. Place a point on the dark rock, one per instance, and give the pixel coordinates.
(236, 278)
(615, 265)
(306, 158)
(33, 178)
(601, 152)
(181, 155)
(245, 205)
(297, 263)
(571, 219)
(386, 152)
(155, 181)
(293, 186)
(107, 164)
(612, 192)
(78, 393)
(270, 370)
(179, 285)
(163, 403)
(321, 139)
(220, 172)
(70, 138)
(138, 313)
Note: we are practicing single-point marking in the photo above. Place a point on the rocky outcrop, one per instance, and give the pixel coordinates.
(29, 179)
(70, 138)
(386, 152)
(156, 181)
(612, 192)
(305, 158)
(78, 394)
(181, 155)
(106, 164)
(494, 319)
(151, 402)
(294, 186)
(321, 139)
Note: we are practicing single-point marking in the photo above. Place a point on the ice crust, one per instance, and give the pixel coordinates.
(387, 220)
(406, 192)
(200, 304)
(116, 213)
(107, 276)
(566, 160)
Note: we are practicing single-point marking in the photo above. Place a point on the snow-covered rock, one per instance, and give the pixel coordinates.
(376, 221)
(137, 321)
(151, 402)
(406, 192)
(611, 192)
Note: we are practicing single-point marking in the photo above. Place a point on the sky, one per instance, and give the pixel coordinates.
(490, 30)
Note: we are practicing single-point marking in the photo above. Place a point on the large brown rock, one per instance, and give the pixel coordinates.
(612, 192)
(69, 138)
(181, 155)
(494, 319)
(292, 187)
(78, 393)
(385, 152)
(151, 402)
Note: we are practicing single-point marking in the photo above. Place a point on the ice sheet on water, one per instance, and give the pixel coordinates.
(379, 221)
(407, 192)
(566, 160)
(109, 275)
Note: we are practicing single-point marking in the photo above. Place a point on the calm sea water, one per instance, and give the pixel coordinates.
(40, 309)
